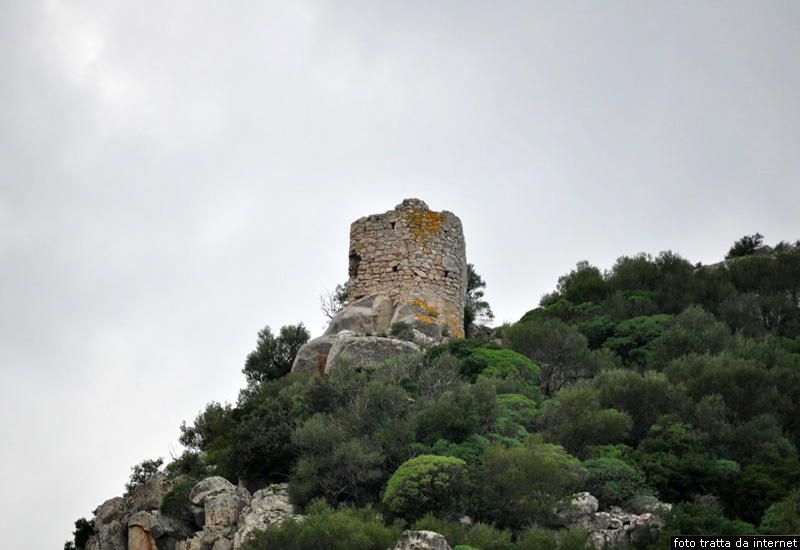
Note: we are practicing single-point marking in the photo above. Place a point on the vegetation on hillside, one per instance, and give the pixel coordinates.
(656, 378)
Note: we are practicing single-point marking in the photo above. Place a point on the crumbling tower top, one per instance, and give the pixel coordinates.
(412, 255)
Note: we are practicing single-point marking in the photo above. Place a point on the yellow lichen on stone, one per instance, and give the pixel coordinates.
(425, 318)
(425, 306)
(423, 225)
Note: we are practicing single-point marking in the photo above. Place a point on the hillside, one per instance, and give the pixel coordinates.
(667, 391)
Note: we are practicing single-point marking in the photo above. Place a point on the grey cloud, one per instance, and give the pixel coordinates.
(175, 176)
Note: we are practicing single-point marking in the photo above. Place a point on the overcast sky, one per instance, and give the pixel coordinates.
(176, 175)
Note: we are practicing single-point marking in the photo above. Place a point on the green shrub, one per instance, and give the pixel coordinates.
(142, 473)
(783, 518)
(515, 487)
(701, 517)
(487, 537)
(176, 502)
(423, 484)
(402, 331)
(454, 532)
(574, 538)
(345, 528)
(613, 481)
(536, 538)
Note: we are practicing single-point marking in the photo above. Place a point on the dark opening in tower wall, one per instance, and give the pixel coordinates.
(355, 260)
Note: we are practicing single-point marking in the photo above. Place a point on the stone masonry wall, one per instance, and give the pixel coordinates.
(413, 255)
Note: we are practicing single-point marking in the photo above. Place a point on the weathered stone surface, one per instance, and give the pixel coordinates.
(364, 351)
(646, 504)
(206, 539)
(159, 525)
(269, 506)
(612, 529)
(369, 315)
(111, 525)
(148, 495)
(112, 536)
(424, 324)
(210, 486)
(412, 255)
(312, 356)
(140, 539)
(219, 503)
(223, 508)
(576, 507)
(421, 540)
(423, 339)
(113, 509)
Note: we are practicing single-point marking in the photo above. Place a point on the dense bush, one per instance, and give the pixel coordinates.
(273, 355)
(613, 481)
(517, 486)
(326, 528)
(426, 483)
(783, 517)
(142, 473)
(176, 502)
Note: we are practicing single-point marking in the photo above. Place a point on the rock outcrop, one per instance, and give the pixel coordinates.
(421, 540)
(364, 351)
(224, 515)
(577, 506)
(216, 504)
(269, 506)
(111, 524)
(322, 354)
(150, 530)
(615, 527)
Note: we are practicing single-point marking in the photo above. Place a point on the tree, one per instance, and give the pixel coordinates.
(333, 301)
(84, 530)
(745, 246)
(515, 487)
(273, 357)
(559, 349)
(585, 283)
(476, 310)
(575, 420)
(426, 483)
(613, 481)
(141, 474)
(783, 518)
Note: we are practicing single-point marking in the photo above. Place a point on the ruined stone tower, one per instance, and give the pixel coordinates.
(414, 256)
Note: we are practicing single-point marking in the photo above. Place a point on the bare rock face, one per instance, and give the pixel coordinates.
(148, 495)
(421, 540)
(369, 315)
(111, 525)
(613, 529)
(217, 503)
(577, 506)
(313, 355)
(364, 351)
(148, 530)
(140, 539)
(269, 506)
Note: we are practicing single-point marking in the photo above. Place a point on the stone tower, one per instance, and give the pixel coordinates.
(407, 289)
(414, 256)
